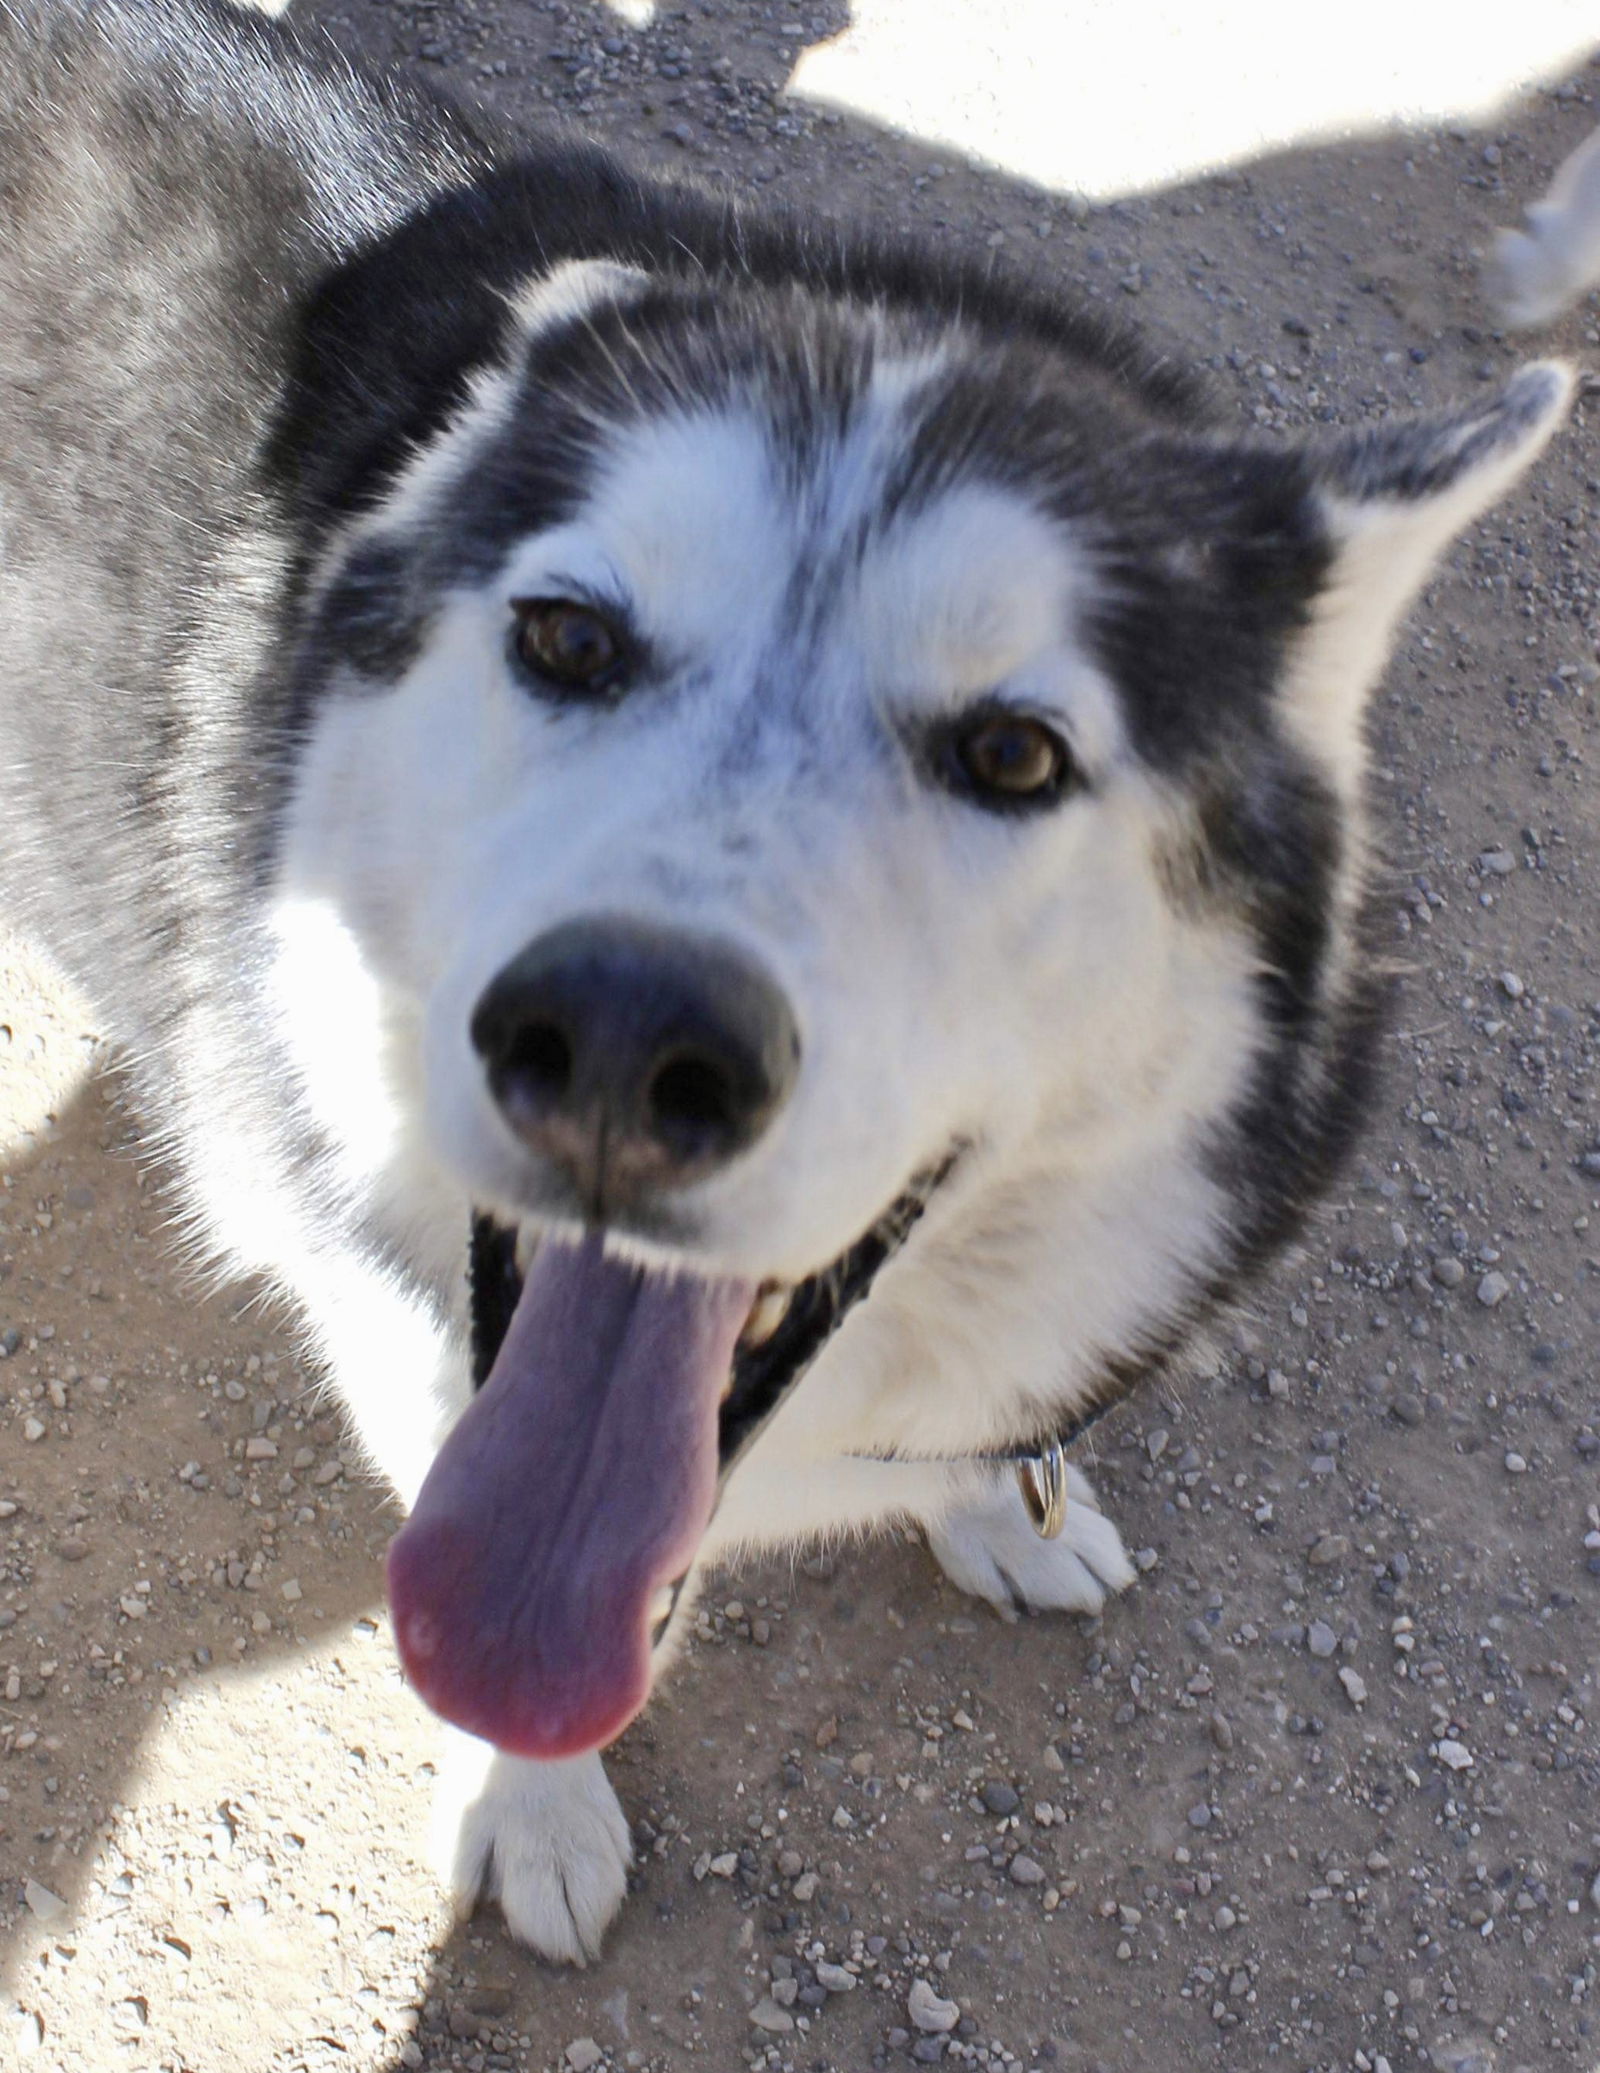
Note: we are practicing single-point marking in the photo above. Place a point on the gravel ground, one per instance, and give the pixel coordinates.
(1322, 1792)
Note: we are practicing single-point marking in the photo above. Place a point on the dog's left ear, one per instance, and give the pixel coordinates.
(1390, 500)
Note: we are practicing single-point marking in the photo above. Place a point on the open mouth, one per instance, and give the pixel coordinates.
(546, 1549)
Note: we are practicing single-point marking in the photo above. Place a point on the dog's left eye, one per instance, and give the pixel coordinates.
(570, 646)
(1008, 759)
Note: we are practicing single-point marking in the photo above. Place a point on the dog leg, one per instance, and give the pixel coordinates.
(986, 1544)
(972, 1513)
(548, 1840)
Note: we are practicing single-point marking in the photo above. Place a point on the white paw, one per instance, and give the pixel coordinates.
(990, 1549)
(548, 1840)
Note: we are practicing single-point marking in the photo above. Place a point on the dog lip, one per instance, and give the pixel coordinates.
(763, 1373)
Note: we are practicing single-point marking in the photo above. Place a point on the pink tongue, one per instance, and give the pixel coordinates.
(578, 1481)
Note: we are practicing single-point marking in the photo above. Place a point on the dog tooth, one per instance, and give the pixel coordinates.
(767, 1312)
(661, 1607)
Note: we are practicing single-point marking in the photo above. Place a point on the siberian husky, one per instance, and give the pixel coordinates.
(744, 836)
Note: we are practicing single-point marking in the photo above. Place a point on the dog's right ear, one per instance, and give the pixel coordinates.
(389, 343)
(1389, 500)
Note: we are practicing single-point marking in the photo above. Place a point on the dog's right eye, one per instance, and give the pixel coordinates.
(569, 646)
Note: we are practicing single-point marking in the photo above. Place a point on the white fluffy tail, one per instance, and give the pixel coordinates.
(1538, 274)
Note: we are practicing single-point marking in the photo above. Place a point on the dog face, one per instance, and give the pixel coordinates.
(793, 766)
(930, 680)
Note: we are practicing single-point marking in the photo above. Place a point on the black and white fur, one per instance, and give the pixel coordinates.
(302, 381)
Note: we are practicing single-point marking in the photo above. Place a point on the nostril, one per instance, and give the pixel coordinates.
(539, 1061)
(692, 1099)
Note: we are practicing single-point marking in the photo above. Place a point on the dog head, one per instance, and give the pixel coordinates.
(789, 762)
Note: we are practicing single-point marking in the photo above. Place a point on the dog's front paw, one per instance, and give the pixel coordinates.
(990, 1549)
(548, 1840)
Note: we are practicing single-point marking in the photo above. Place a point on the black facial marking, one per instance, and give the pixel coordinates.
(1196, 646)
(369, 616)
(1274, 838)
(737, 304)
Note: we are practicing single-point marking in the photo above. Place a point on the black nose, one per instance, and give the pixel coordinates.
(635, 1058)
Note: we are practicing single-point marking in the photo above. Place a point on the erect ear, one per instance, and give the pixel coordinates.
(389, 343)
(1390, 500)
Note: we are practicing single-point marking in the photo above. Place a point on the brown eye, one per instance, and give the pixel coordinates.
(567, 644)
(1009, 759)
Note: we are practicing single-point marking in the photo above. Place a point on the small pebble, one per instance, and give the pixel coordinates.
(1455, 1756)
(767, 2015)
(1492, 1290)
(1321, 1639)
(582, 2055)
(929, 2014)
(41, 1901)
(1516, 1464)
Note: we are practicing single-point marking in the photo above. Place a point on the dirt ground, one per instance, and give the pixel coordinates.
(1322, 1792)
